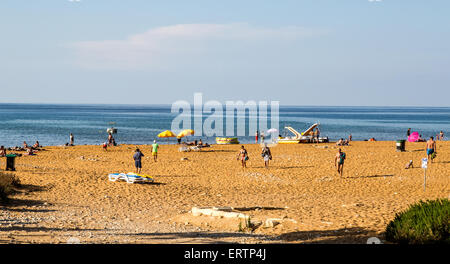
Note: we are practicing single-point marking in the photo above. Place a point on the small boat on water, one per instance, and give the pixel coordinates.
(307, 136)
(226, 141)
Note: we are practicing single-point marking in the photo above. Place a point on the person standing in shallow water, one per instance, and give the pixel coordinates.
(72, 140)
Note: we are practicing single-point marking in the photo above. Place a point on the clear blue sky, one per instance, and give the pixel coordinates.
(316, 52)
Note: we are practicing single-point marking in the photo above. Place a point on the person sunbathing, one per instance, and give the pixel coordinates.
(30, 151)
(340, 142)
(36, 145)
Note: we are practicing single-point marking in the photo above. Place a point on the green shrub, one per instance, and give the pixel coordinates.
(7, 182)
(422, 223)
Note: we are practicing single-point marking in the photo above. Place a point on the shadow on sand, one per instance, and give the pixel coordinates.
(214, 237)
(339, 236)
(372, 176)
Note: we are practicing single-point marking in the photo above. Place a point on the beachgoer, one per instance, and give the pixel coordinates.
(25, 145)
(256, 137)
(155, 147)
(105, 146)
(441, 135)
(36, 145)
(339, 159)
(137, 160)
(431, 148)
(110, 139)
(179, 140)
(72, 140)
(261, 135)
(267, 155)
(243, 156)
(30, 151)
(340, 142)
(317, 135)
(2, 151)
(408, 132)
(350, 138)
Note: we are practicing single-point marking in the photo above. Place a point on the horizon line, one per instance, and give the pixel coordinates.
(169, 105)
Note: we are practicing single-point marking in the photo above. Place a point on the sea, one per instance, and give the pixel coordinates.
(51, 124)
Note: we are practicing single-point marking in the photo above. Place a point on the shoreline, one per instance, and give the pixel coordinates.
(215, 144)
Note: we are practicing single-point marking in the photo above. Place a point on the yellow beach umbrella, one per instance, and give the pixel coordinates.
(186, 132)
(166, 134)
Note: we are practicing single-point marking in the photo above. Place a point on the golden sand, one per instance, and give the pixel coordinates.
(67, 194)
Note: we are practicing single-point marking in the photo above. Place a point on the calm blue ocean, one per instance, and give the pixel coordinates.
(51, 124)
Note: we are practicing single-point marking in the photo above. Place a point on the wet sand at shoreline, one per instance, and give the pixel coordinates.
(66, 193)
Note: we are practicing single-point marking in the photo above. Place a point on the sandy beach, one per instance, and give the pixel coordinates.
(66, 194)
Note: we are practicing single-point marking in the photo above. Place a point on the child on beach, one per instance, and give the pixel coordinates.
(137, 160)
(105, 146)
(340, 156)
(243, 156)
(155, 147)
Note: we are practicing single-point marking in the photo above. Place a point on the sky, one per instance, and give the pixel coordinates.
(311, 52)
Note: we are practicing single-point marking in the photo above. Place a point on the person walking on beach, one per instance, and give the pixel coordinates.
(71, 138)
(431, 149)
(243, 156)
(256, 137)
(261, 135)
(339, 162)
(267, 155)
(137, 160)
(441, 135)
(155, 147)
